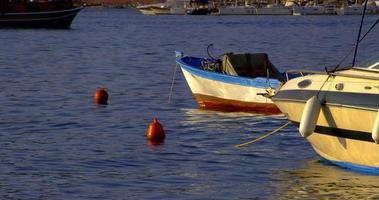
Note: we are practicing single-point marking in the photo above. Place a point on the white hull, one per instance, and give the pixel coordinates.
(274, 11)
(350, 10)
(346, 119)
(236, 11)
(178, 11)
(217, 95)
(222, 90)
(308, 10)
(147, 11)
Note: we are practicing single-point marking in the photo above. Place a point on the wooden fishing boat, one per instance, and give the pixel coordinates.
(238, 82)
(38, 13)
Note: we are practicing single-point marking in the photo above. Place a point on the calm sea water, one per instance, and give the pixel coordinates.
(56, 144)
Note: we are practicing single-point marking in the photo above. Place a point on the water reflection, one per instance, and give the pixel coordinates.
(320, 179)
(200, 116)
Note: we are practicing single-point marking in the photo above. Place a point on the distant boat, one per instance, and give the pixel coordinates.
(155, 9)
(355, 9)
(198, 7)
(274, 9)
(38, 14)
(170, 7)
(234, 8)
(177, 7)
(237, 83)
(308, 10)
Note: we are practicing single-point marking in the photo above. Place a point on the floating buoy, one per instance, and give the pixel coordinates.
(375, 129)
(101, 96)
(155, 132)
(309, 117)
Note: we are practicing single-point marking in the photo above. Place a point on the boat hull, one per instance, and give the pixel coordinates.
(50, 19)
(220, 92)
(308, 10)
(273, 11)
(345, 123)
(235, 11)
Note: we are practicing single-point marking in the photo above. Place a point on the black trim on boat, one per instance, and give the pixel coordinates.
(342, 133)
(363, 100)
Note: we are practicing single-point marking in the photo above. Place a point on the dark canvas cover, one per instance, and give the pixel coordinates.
(249, 65)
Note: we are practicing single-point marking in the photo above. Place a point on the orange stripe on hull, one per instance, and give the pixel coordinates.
(227, 105)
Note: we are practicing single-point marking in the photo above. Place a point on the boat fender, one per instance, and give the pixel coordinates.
(309, 117)
(375, 129)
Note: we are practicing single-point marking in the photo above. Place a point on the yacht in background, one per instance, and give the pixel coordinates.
(155, 9)
(197, 7)
(274, 9)
(175, 7)
(235, 8)
(357, 9)
(309, 9)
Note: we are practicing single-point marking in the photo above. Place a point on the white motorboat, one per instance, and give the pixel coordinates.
(235, 10)
(337, 113)
(274, 9)
(308, 10)
(355, 9)
(155, 9)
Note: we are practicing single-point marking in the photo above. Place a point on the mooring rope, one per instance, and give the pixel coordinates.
(360, 30)
(172, 83)
(264, 136)
(353, 47)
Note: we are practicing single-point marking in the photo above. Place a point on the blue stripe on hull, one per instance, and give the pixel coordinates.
(193, 66)
(356, 167)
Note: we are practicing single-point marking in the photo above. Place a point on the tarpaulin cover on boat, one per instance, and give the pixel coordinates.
(249, 65)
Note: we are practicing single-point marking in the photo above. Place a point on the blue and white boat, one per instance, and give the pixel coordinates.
(237, 82)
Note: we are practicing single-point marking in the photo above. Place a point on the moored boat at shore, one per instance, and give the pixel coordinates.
(38, 14)
(155, 9)
(343, 122)
(238, 82)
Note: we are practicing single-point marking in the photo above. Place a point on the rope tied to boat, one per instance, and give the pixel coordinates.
(264, 136)
(172, 83)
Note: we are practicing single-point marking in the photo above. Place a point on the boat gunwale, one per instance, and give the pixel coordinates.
(338, 73)
(224, 78)
(45, 12)
(325, 104)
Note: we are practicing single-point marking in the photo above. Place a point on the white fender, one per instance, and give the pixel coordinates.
(309, 117)
(375, 129)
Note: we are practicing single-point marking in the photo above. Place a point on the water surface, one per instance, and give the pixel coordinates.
(56, 144)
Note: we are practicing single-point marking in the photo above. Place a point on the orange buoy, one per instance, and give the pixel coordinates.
(101, 96)
(155, 132)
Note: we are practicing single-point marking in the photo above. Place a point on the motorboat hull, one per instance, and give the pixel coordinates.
(216, 91)
(236, 10)
(343, 132)
(274, 11)
(50, 19)
(308, 10)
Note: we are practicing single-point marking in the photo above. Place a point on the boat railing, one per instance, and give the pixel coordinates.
(337, 73)
(292, 73)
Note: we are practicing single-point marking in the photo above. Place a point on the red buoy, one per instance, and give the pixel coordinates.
(155, 132)
(101, 96)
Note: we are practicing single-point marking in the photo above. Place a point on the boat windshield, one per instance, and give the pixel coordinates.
(371, 63)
